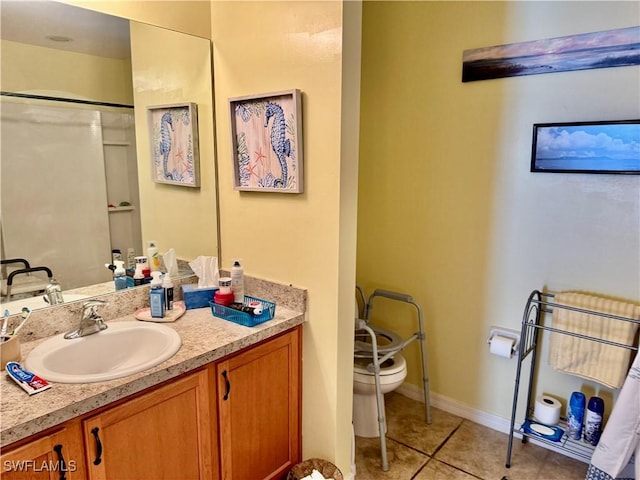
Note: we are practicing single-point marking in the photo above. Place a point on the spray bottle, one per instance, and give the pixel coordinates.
(593, 420)
(237, 282)
(575, 415)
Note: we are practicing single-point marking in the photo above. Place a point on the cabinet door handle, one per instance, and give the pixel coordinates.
(227, 385)
(63, 466)
(98, 459)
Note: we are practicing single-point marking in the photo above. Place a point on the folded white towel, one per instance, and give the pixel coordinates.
(600, 362)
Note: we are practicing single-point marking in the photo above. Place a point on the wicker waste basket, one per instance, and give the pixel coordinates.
(303, 469)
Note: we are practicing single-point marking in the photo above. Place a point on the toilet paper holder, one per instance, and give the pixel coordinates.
(508, 333)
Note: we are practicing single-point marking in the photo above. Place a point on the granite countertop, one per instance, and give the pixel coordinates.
(205, 338)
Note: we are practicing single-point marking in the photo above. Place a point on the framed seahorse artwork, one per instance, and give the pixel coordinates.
(266, 138)
(173, 142)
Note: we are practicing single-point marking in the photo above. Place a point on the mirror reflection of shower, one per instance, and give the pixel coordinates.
(69, 170)
(69, 187)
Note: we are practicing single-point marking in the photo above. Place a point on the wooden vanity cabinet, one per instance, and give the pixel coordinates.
(53, 456)
(235, 419)
(258, 399)
(165, 433)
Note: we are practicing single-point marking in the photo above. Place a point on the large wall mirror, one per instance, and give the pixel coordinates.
(76, 150)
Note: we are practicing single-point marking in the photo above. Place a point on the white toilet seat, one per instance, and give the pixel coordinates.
(392, 340)
(399, 364)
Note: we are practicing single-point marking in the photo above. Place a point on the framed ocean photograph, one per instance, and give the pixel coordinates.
(587, 147)
(605, 49)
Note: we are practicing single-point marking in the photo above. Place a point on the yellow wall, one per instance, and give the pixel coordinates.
(307, 239)
(182, 218)
(448, 210)
(31, 68)
(187, 16)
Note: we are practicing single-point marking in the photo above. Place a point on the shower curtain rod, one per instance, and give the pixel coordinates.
(61, 99)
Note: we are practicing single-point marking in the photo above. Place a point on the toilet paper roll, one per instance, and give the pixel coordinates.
(502, 346)
(547, 410)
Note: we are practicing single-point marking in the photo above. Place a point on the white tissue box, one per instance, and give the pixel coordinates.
(195, 297)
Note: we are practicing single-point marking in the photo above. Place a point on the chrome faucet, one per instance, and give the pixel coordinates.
(90, 323)
(53, 293)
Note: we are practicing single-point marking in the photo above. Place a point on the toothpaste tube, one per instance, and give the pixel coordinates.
(29, 382)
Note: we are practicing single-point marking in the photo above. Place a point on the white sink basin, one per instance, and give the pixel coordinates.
(123, 349)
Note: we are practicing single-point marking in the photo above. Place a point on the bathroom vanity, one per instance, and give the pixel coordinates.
(225, 406)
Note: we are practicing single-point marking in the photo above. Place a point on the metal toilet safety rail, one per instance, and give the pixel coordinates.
(379, 355)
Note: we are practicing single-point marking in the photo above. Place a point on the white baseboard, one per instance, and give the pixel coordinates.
(456, 408)
(459, 409)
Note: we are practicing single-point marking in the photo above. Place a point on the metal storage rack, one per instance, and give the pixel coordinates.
(538, 306)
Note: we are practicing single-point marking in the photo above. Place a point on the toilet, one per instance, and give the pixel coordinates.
(373, 344)
(365, 408)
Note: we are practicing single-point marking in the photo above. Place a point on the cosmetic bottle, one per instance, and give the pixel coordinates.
(143, 266)
(120, 275)
(224, 295)
(156, 296)
(237, 282)
(167, 284)
(153, 257)
(138, 275)
(244, 308)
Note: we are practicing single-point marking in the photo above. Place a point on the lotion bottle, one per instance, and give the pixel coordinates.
(156, 296)
(237, 282)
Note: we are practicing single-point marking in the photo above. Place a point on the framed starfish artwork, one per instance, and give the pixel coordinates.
(173, 142)
(266, 137)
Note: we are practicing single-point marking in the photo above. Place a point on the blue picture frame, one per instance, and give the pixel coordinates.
(605, 147)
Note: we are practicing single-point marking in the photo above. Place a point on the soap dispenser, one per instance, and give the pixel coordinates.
(156, 296)
(120, 275)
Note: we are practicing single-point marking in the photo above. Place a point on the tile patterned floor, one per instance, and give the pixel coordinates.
(452, 448)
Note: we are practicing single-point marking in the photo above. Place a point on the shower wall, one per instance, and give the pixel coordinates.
(54, 192)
